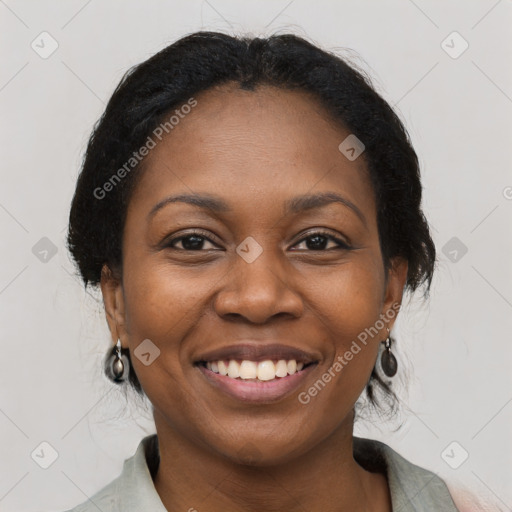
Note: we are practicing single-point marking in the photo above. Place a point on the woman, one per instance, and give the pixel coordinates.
(251, 209)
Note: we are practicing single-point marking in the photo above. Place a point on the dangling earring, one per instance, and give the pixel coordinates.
(387, 359)
(119, 365)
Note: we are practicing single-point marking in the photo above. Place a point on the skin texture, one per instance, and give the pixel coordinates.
(256, 150)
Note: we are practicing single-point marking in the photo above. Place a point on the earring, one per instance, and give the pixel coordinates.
(119, 365)
(387, 359)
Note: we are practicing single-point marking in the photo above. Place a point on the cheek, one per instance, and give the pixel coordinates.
(160, 296)
(350, 298)
(352, 313)
(163, 304)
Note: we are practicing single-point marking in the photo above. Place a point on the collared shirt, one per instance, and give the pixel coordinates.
(412, 488)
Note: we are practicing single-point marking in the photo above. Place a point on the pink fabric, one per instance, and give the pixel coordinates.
(465, 501)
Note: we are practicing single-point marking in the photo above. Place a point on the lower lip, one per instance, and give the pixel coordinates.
(252, 391)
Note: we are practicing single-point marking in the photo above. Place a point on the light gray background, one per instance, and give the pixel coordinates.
(457, 347)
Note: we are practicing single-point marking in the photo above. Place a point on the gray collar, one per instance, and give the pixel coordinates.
(412, 488)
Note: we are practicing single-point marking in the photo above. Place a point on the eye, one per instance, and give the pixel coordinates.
(314, 241)
(193, 241)
(318, 240)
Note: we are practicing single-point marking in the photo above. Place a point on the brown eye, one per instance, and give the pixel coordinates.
(194, 241)
(319, 240)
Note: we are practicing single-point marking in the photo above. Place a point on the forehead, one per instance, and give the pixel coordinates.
(252, 146)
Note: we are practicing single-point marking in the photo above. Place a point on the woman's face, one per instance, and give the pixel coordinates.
(232, 282)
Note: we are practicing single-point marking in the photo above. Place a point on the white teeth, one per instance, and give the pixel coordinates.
(248, 370)
(223, 369)
(281, 368)
(292, 366)
(266, 370)
(233, 369)
(263, 370)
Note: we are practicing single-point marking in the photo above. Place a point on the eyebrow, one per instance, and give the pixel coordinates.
(295, 205)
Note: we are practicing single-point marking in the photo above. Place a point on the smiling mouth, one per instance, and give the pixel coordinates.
(255, 371)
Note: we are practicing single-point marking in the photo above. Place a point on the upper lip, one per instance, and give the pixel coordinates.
(258, 352)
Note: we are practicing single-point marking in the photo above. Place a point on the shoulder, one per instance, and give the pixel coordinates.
(105, 499)
(412, 487)
(133, 490)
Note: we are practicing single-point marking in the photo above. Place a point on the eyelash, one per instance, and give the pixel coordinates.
(341, 244)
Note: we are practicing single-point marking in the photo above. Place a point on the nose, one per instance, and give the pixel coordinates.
(258, 291)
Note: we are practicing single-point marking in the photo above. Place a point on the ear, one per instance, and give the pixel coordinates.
(396, 279)
(113, 299)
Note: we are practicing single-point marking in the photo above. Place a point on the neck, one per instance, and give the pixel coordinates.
(325, 478)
